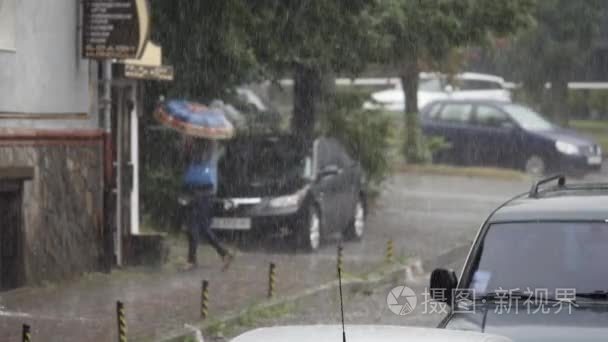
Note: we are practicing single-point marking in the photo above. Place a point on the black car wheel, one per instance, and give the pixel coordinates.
(309, 234)
(356, 228)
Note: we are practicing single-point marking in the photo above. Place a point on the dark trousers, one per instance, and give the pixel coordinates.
(199, 218)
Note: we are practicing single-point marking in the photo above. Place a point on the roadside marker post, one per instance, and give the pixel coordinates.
(389, 251)
(122, 322)
(27, 335)
(271, 280)
(205, 299)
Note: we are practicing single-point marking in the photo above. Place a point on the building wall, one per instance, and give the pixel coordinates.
(43, 75)
(48, 121)
(62, 203)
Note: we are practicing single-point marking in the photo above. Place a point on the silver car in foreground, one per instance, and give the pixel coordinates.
(363, 333)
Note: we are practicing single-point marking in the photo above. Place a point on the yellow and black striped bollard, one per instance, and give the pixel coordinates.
(27, 335)
(122, 322)
(205, 299)
(271, 279)
(340, 250)
(389, 251)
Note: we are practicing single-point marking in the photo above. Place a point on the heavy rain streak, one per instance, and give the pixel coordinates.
(248, 170)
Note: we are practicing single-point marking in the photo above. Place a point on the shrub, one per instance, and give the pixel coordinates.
(161, 178)
(436, 144)
(366, 134)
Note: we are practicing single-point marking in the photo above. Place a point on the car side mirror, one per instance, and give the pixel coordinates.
(443, 282)
(329, 170)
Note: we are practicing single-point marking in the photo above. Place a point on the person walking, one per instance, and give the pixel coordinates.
(200, 187)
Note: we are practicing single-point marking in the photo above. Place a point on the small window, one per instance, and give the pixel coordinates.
(324, 153)
(331, 152)
(491, 117)
(456, 113)
(430, 84)
(7, 25)
(433, 112)
(342, 157)
(478, 85)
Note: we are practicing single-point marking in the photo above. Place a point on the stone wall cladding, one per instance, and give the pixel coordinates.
(62, 207)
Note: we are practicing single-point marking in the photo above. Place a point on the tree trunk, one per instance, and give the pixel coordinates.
(409, 82)
(306, 92)
(558, 96)
(327, 93)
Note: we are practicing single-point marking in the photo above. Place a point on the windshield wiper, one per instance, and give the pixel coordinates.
(599, 294)
(495, 297)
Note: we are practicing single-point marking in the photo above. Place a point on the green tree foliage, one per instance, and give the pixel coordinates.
(555, 48)
(308, 41)
(418, 34)
(208, 42)
(215, 45)
(367, 135)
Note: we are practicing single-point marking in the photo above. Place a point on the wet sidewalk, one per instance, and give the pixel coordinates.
(158, 301)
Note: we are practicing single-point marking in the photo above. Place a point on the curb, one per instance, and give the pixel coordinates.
(387, 274)
(459, 171)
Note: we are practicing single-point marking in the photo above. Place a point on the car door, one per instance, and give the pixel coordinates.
(453, 123)
(327, 187)
(495, 142)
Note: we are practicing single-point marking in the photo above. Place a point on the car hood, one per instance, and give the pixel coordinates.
(566, 135)
(581, 324)
(362, 333)
(247, 185)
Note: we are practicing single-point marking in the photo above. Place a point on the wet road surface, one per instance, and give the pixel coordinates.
(436, 218)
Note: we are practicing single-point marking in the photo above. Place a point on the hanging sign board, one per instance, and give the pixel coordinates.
(145, 72)
(114, 28)
(148, 67)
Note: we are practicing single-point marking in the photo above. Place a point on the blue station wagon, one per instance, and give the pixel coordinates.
(508, 135)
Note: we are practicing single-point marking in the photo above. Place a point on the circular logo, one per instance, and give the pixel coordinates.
(401, 300)
(228, 204)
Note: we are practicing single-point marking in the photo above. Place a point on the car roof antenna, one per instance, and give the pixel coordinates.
(341, 302)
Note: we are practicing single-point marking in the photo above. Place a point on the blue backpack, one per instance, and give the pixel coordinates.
(202, 174)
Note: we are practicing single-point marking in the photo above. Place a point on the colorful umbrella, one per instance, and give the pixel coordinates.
(194, 119)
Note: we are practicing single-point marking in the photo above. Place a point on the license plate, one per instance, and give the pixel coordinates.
(595, 160)
(231, 223)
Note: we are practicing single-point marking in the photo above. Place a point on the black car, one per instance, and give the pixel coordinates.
(508, 135)
(539, 252)
(278, 184)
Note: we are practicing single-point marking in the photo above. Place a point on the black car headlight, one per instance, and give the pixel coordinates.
(292, 200)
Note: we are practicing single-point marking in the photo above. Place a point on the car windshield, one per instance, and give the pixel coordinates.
(472, 84)
(527, 118)
(550, 256)
(430, 84)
